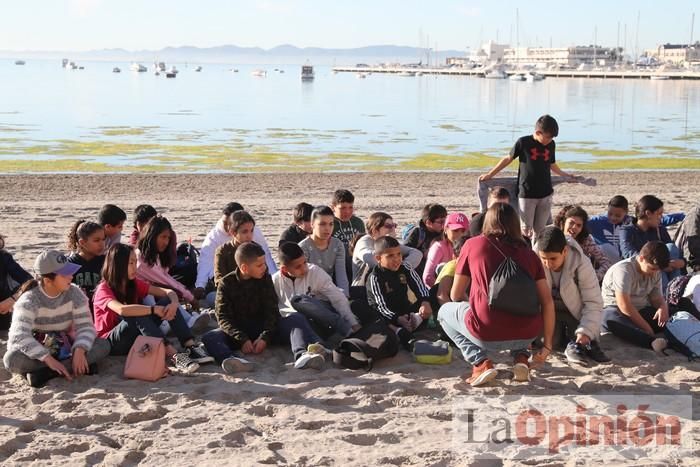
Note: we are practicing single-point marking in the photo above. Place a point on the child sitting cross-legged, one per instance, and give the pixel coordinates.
(249, 318)
(307, 290)
(52, 333)
(121, 318)
(397, 292)
(246, 310)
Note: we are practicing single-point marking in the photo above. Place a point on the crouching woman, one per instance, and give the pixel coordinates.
(476, 327)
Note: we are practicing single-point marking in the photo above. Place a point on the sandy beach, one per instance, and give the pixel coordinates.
(401, 413)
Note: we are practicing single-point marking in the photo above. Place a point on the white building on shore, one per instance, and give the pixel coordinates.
(677, 54)
(562, 56)
(489, 52)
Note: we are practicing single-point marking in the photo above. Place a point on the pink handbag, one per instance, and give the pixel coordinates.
(146, 359)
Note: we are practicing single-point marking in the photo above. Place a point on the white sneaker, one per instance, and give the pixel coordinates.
(165, 327)
(310, 360)
(233, 365)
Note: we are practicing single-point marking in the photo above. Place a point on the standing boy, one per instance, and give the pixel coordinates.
(397, 292)
(577, 300)
(536, 155)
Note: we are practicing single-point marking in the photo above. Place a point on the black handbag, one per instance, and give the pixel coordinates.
(512, 290)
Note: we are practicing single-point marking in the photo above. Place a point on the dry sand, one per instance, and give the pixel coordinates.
(400, 413)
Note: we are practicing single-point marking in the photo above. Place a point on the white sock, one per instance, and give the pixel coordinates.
(416, 319)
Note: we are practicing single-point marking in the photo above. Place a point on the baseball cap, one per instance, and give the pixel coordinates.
(457, 220)
(52, 261)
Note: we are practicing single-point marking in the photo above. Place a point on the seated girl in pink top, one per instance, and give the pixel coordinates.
(154, 258)
(442, 250)
(120, 317)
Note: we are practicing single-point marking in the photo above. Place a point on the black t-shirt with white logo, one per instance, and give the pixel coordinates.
(89, 275)
(534, 175)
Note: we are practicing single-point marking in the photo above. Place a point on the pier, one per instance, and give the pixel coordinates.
(457, 71)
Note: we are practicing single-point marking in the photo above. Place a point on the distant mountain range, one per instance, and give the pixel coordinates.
(286, 53)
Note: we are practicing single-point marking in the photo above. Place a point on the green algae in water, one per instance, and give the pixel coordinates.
(450, 127)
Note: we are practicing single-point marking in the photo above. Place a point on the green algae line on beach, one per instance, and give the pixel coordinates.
(150, 149)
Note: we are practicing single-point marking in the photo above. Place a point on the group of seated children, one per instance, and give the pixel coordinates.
(337, 274)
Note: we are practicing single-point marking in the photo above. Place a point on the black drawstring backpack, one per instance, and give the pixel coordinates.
(512, 290)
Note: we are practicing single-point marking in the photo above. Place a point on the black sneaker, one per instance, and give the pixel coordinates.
(198, 353)
(576, 353)
(594, 352)
(39, 378)
(184, 363)
(406, 339)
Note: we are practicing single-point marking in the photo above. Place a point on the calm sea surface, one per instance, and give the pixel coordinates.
(129, 119)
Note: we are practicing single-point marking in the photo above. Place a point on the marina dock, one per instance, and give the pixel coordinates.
(458, 71)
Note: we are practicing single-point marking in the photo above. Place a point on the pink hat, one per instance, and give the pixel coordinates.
(457, 220)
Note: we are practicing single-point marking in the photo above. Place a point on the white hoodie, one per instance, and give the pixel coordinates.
(214, 239)
(316, 283)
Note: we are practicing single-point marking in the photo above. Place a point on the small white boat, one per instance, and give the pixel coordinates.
(234, 70)
(517, 77)
(159, 67)
(659, 77)
(307, 73)
(198, 68)
(407, 73)
(362, 75)
(419, 73)
(20, 62)
(116, 69)
(495, 74)
(72, 66)
(532, 77)
(138, 68)
(259, 73)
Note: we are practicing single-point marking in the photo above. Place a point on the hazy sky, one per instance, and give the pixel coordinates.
(153, 24)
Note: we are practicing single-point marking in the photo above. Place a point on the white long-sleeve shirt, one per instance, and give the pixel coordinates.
(214, 239)
(364, 254)
(316, 283)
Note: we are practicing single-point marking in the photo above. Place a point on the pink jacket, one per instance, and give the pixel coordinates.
(439, 252)
(158, 275)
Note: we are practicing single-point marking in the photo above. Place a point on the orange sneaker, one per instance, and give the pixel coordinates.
(521, 368)
(482, 373)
